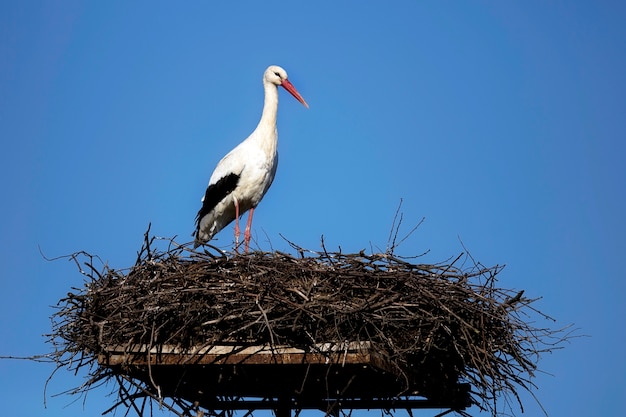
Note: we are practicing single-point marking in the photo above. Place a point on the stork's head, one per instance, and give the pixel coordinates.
(278, 76)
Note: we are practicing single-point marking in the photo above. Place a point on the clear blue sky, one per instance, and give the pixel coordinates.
(502, 123)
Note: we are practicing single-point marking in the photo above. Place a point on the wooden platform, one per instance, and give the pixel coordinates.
(233, 377)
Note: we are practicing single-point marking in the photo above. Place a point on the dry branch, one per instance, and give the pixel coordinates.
(437, 325)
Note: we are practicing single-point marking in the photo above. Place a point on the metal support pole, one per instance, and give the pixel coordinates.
(283, 407)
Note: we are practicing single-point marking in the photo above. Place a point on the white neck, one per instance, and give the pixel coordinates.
(266, 133)
(270, 104)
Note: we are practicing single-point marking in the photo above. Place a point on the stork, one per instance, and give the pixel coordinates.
(243, 176)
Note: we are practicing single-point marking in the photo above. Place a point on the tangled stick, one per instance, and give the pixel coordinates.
(437, 324)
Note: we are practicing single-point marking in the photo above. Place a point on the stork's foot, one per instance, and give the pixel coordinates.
(246, 240)
(246, 234)
(237, 234)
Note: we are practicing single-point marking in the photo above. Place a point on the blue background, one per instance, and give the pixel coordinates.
(501, 123)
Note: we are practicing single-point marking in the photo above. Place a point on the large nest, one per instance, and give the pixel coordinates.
(436, 324)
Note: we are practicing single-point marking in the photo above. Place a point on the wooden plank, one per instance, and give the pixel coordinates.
(323, 354)
(344, 373)
(344, 404)
(259, 358)
(238, 348)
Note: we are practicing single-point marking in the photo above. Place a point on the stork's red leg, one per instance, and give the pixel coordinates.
(246, 234)
(237, 232)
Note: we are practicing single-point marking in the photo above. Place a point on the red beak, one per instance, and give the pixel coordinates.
(289, 87)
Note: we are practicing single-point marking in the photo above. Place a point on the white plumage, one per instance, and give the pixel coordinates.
(244, 175)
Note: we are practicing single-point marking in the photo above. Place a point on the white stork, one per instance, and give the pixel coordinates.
(244, 175)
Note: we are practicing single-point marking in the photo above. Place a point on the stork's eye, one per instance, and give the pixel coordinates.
(277, 74)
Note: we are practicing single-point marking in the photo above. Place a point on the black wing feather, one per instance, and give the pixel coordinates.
(216, 193)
